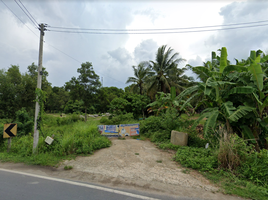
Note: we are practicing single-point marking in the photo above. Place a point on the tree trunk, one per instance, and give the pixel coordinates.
(163, 87)
(86, 114)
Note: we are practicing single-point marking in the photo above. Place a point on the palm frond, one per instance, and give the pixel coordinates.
(240, 112)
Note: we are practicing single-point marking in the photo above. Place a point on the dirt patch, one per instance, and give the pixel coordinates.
(133, 164)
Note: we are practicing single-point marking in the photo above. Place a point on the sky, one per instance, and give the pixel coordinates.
(113, 55)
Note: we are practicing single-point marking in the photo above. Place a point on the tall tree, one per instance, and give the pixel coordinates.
(141, 72)
(85, 86)
(164, 67)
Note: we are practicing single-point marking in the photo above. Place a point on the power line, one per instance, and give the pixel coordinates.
(52, 45)
(29, 12)
(165, 29)
(26, 14)
(169, 32)
(19, 18)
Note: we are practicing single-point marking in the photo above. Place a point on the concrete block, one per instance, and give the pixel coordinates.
(179, 138)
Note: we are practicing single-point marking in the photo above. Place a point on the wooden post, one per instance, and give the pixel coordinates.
(8, 144)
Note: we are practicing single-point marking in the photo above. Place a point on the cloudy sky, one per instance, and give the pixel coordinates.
(112, 55)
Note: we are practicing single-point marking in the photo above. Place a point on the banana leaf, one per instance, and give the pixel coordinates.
(211, 122)
(247, 134)
(223, 59)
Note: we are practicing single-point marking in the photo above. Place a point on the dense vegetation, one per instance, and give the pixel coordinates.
(226, 107)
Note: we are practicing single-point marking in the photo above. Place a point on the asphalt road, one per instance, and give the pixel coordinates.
(23, 186)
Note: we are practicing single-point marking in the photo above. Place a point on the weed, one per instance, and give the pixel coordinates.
(137, 154)
(168, 146)
(159, 161)
(68, 167)
(185, 171)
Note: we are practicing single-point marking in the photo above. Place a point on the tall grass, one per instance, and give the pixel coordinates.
(72, 136)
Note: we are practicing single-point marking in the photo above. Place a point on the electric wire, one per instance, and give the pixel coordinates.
(165, 29)
(54, 46)
(29, 12)
(19, 19)
(169, 32)
(26, 14)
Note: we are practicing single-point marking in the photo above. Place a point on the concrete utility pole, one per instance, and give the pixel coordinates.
(39, 83)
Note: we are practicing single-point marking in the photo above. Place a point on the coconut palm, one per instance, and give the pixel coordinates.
(141, 72)
(165, 68)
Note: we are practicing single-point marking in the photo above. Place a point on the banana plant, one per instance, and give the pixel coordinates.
(216, 89)
(166, 100)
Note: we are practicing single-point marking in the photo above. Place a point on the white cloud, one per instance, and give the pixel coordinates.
(113, 55)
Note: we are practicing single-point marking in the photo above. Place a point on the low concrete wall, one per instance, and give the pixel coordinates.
(179, 138)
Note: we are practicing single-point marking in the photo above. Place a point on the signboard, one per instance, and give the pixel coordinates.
(129, 129)
(108, 130)
(10, 130)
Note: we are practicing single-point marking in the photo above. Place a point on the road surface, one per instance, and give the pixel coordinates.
(24, 186)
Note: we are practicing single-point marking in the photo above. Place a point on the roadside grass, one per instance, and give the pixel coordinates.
(72, 136)
(139, 137)
(231, 184)
(205, 162)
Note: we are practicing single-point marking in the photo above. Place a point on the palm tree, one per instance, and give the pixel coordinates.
(165, 68)
(141, 72)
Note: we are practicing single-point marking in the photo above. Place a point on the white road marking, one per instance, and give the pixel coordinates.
(83, 184)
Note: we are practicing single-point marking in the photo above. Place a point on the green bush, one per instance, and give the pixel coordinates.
(68, 120)
(118, 119)
(197, 158)
(150, 125)
(104, 120)
(255, 168)
(161, 136)
(159, 128)
(24, 121)
(168, 146)
(195, 141)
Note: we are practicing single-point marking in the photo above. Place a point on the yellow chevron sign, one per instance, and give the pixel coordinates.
(10, 130)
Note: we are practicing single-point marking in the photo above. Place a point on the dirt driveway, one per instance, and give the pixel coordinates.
(133, 164)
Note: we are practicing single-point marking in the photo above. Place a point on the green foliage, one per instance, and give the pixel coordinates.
(254, 168)
(118, 119)
(68, 119)
(68, 167)
(72, 137)
(74, 106)
(24, 121)
(85, 87)
(197, 158)
(233, 151)
(195, 140)
(168, 146)
(118, 106)
(159, 128)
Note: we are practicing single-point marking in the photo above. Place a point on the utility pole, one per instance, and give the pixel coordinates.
(42, 28)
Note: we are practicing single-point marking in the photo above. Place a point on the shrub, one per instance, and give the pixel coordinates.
(233, 150)
(195, 140)
(150, 125)
(159, 128)
(162, 136)
(197, 158)
(118, 119)
(255, 168)
(168, 146)
(24, 121)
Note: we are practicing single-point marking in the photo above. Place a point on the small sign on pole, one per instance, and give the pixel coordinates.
(10, 130)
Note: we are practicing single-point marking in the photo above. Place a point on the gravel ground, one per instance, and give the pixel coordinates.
(132, 164)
